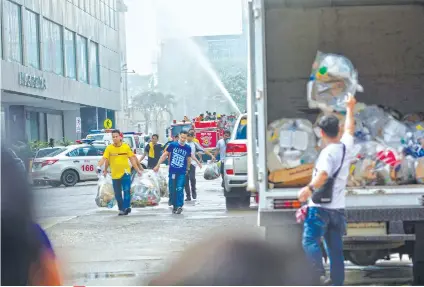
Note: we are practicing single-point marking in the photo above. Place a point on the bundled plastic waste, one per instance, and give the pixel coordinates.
(105, 195)
(145, 190)
(163, 181)
(212, 171)
(293, 141)
(333, 77)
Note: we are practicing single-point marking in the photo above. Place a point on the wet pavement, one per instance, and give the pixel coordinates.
(96, 247)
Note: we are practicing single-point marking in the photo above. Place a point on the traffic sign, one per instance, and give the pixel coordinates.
(78, 125)
(107, 123)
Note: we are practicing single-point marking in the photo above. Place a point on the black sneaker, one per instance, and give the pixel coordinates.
(179, 210)
(174, 211)
(121, 212)
(128, 211)
(188, 199)
(194, 195)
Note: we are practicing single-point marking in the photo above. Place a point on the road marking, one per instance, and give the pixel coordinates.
(52, 221)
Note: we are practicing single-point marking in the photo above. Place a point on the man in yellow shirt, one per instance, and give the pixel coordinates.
(116, 155)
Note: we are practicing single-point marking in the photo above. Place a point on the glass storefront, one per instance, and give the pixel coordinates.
(32, 126)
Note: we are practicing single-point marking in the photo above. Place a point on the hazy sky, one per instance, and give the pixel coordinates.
(190, 17)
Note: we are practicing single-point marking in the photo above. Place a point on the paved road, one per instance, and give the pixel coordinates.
(96, 247)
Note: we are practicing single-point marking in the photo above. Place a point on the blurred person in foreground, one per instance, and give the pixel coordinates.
(242, 260)
(328, 219)
(27, 257)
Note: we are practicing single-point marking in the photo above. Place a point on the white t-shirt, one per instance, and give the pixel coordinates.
(194, 148)
(221, 145)
(329, 161)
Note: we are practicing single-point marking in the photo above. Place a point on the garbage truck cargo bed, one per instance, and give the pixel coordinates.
(383, 41)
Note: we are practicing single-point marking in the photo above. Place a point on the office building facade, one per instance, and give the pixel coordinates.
(60, 67)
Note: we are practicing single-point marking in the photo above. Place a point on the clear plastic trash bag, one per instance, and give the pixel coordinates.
(105, 194)
(145, 190)
(211, 172)
(333, 77)
(163, 175)
(292, 141)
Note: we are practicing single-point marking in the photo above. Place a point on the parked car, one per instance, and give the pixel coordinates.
(68, 165)
(235, 167)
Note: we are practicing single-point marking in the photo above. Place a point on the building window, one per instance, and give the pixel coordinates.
(94, 64)
(112, 18)
(82, 59)
(53, 51)
(13, 31)
(70, 54)
(32, 39)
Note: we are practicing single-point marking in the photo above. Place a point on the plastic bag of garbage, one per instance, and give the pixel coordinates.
(333, 77)
(105, 195)
(404, 172)
(145, 190)
(374, 119)
(163, 181)
(393, 133)
(211, 172)
(292, 141)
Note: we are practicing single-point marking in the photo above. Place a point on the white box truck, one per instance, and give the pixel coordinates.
(385, 41)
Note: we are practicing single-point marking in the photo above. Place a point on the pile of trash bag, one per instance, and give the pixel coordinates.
(212, 171)
(105, 194)
(389, 146)
(145, 190)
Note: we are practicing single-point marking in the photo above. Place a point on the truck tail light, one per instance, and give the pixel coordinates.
(48, 162)
(229, 171)
(287, 204)
(236, 149)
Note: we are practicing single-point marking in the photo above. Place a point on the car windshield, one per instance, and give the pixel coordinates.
(54, 153)
(176, 130)
(95, 137)
(241, 132)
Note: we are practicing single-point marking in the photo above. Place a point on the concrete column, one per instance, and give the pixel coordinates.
(69, 124)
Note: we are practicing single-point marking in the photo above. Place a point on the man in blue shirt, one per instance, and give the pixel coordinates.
(179, 163)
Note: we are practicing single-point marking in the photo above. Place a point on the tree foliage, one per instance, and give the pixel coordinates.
(234, 78)
(152, 104)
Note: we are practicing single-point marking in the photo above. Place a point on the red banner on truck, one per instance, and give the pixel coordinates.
(207, 139)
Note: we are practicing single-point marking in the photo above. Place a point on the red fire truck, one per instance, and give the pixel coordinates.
(207, 132)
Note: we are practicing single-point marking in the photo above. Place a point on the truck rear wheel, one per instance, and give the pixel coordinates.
(363, 257)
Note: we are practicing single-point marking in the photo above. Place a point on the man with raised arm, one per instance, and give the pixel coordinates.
(328, 219)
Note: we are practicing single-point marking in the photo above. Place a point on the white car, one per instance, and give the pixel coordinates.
(68, 165)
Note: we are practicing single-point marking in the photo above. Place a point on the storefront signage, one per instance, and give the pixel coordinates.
(32, 81)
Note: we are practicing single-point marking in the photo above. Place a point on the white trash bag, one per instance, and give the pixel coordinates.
(212, 171)
(163, 175)
(145, 190)
(105, 194)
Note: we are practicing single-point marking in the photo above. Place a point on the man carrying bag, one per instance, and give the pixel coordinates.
(325, 215)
